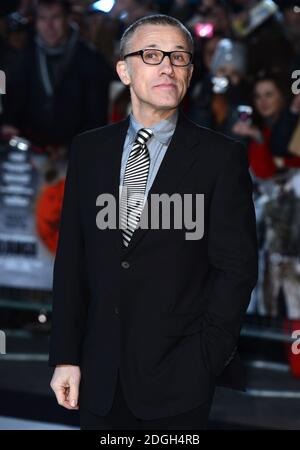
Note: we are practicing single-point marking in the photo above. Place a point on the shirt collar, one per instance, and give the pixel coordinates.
(162, 131)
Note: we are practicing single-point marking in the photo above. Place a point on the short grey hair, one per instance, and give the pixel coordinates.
(154, 19)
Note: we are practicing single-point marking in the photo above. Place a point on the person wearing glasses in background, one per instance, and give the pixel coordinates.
(145, 322)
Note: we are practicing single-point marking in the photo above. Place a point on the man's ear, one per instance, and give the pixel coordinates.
(122, 70)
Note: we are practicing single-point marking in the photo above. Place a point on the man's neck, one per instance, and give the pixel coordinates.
(151, 118)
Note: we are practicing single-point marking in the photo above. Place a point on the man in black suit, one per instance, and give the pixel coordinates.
(146, 320)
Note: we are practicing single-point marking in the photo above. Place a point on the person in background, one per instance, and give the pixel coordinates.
(291, 18)
(130, 10)
(201, 88)
(217, 103)
(18, 32)
(274, 122)
(60, 85)
(216, 12)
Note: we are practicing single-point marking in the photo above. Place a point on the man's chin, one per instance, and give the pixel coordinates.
(167, 104)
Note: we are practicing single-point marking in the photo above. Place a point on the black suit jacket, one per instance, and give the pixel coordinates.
(166, 311)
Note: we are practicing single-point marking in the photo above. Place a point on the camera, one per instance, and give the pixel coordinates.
(244, 113)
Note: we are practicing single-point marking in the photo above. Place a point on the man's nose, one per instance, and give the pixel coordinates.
(166, 65)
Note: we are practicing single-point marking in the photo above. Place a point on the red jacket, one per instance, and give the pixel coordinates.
(261, 159)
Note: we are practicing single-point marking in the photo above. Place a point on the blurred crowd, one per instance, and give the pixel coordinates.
(59, 59)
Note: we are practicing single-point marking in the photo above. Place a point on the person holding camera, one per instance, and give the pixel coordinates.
(271, 129)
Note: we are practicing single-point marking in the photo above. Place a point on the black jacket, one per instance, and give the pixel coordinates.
(80, 101)
(166, 311)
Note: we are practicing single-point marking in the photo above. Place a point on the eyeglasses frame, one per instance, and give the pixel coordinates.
(141, 53)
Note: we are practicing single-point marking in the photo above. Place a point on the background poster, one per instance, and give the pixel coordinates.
(31, 192)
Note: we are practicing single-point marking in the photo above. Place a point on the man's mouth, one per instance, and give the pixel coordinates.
(166, 85)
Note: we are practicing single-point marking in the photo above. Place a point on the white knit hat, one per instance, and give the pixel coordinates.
(229, 52)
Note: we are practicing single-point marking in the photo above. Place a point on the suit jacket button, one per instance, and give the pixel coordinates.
(125, 264)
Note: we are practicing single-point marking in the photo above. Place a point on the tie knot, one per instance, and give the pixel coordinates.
(143, 135)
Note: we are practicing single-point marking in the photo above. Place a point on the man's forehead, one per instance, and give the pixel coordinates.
(156, 35)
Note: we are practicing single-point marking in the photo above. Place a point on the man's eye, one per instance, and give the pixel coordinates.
(151, 55)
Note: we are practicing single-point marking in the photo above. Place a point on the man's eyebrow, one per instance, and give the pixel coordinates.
(181, 47)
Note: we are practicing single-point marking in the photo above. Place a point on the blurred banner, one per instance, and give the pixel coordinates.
(31, 192)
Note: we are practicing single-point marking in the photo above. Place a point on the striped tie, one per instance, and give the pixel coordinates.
(135, 180)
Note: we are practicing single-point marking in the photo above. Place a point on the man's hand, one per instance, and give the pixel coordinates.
(243, 128)
(65, 384)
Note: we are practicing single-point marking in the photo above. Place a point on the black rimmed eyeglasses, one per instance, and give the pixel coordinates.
(154, 57)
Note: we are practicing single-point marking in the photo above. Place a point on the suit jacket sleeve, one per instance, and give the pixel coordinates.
(233, 254)
(70, 293)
